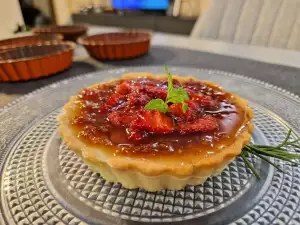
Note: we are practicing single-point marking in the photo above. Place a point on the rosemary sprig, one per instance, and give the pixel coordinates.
(249, 165)
(277, 152)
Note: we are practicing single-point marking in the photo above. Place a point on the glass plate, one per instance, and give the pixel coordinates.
(43, 182)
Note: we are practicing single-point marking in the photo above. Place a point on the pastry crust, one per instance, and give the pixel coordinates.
(113, 168)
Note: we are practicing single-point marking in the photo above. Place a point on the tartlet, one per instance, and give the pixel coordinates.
(35, 61)
(108, 127)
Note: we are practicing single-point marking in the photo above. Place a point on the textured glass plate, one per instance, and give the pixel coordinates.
(43, 182)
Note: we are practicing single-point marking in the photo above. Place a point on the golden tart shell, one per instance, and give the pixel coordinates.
(151, 174)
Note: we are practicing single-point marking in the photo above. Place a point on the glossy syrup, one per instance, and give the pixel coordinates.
(93, 128)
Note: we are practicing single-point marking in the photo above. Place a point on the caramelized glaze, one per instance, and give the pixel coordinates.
(93, 128)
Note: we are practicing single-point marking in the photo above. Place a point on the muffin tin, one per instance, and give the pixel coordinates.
(35, 61)
(70, 32)
(119, 45)
(29, 40)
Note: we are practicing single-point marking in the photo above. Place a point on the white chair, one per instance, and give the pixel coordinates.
(10, 17)
(272, 23)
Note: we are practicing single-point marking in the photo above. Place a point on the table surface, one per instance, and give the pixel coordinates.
(277, 56)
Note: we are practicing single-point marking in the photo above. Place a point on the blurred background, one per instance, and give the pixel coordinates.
(170, 16)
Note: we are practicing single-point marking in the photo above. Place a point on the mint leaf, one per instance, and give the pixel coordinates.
(157, 104)
(184, 107)
(170, 82)
(182, 92)
(178, 95)
(175, 95)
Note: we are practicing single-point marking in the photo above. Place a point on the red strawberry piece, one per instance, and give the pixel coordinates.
(192, 105)
(156, 92)
(117, 118)
(205, 101)
(203, 124)
(138, 99)
(124, 88)
(153, 121)
(114, 100)
(176, 110)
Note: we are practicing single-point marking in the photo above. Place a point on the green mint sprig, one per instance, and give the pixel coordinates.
(175, 95)
(157, 104)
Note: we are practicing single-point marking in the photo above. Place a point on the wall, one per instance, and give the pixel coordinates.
(10, 16)
(193, 8)
(43, 5)
(62, 12)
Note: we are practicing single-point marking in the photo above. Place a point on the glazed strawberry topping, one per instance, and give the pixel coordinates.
(152, 121)
(201, 124)
(204, 101)
(117, 110)
(125, 108)
(121, 119)
(175, 110)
